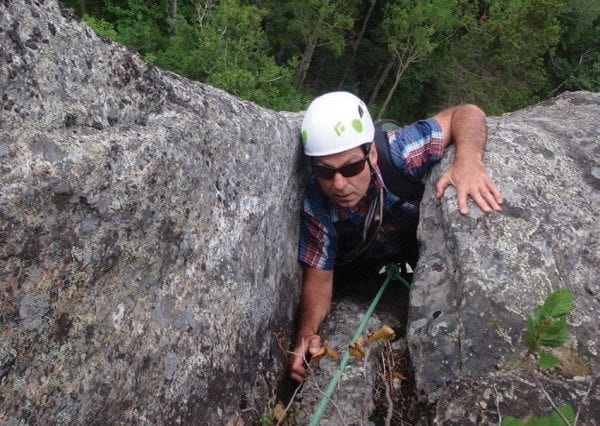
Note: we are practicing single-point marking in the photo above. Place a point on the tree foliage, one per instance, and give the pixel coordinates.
(407, 58)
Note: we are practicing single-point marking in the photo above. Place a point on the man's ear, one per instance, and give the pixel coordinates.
(373, 153)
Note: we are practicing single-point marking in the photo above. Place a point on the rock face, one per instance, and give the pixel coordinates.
(479, 276)
(144, 265)
(353, 403)
(490, 399)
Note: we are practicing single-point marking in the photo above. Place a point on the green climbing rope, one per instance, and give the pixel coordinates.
(392, 272)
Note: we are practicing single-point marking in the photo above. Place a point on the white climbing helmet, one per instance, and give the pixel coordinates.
(335, 122)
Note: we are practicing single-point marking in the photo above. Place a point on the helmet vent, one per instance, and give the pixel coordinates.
(360, 111)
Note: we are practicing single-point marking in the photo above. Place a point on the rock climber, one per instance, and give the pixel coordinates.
(350, 215)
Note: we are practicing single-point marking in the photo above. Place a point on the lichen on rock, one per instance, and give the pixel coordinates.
(143, 266)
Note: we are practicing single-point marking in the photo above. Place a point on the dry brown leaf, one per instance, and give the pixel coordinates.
(384, 334)
(399, 375)
(314, 358)
(331, 352)
(571, 364)
(279, 411)
(356, 349)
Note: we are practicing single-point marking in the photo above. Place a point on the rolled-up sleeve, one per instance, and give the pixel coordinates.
(417, 147)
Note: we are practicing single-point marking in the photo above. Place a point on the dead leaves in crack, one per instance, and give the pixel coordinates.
(357, 348)
(326, 349)
(384, 334)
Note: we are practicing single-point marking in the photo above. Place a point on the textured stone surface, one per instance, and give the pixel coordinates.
(148, 230)
(353, 398)
(477, 273)
(352, 401)
(487, 400)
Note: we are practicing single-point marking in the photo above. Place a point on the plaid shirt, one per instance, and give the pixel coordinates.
(326, 229)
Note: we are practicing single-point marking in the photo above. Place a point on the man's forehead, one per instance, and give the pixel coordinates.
(348, 154)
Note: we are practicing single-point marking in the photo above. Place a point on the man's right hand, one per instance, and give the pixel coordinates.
(305, 346)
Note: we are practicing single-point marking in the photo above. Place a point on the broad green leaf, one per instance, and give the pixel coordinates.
(553, 339)
(537, 421)
(568, 413)
(540, 313)
(532, 325)
(552, 419)
(553, 326)
(547, 360)
(559, 303)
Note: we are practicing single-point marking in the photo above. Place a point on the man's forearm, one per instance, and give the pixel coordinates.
(465, 126)
(315, 301)
(468, 132)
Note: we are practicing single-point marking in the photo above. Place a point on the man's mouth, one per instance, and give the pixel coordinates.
(342, 198)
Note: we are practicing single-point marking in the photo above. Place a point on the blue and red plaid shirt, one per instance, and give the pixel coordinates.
(327, 229)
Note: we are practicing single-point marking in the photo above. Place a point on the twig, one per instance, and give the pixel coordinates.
(549, 398)
(329, 399)
(279, 338)
(271, 80)
(363, 408)
(390, 407)
(582, 401)
(287, 408)
(245, 410)
(498, 404)
(388, 397)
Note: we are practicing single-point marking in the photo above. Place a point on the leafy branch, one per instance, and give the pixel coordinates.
(547, 326)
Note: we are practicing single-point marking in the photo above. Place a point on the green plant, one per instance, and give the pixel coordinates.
(547, 326)
(552, 419)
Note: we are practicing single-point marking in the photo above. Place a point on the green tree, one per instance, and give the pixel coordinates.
(497, 60)
(575, 63)
(500, 54)
(355, 42)
(140, 24)
(300, 28)
(411, 30)
(220, 42)
(321, 22)
(227, 47)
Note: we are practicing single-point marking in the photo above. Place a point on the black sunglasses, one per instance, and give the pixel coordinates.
(349, 170)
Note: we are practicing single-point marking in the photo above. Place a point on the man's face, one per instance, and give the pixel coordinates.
(346, 191)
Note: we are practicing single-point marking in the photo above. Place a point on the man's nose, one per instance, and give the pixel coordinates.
(339, 181)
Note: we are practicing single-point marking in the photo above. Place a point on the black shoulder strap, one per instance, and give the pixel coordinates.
(394, 180)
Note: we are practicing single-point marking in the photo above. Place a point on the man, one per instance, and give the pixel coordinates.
(349, 214)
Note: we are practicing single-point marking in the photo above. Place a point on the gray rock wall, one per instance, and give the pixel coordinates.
(148, 230)
(478, 274)
(148, 234)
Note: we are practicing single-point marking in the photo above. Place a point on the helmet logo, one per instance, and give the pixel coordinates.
(339, 128)
(304, 137)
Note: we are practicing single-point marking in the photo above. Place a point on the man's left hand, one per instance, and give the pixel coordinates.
(470, 178)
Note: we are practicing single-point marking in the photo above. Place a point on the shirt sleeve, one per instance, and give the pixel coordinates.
(317, 240)
(417, 147)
